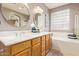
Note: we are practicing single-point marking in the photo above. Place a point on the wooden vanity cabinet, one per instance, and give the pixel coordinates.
(36, 47)
(39, 46)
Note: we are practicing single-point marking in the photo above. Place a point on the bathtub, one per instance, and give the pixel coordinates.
(69, 47)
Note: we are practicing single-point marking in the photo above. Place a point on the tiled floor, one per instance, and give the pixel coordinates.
(54, 52)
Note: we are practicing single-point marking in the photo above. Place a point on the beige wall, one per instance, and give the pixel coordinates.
(6, 27)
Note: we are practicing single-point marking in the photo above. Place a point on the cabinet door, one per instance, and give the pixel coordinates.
(36, 50)
(47, 43)
(43, 46)
(26, 52)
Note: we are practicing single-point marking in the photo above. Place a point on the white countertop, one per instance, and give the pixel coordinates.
(13, 38)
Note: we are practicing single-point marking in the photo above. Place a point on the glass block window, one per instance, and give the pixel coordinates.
(60, 20)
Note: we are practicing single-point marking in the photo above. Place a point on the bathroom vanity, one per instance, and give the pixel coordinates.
(33, 44)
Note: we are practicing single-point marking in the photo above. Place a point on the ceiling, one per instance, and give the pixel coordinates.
(54, 5)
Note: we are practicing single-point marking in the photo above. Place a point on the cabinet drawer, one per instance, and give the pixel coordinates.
(26, 52)
(20, 46)
(35, 41)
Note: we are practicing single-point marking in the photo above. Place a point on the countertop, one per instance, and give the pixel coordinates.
(10, 38)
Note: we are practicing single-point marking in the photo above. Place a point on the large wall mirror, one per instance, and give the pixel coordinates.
(15, 14)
